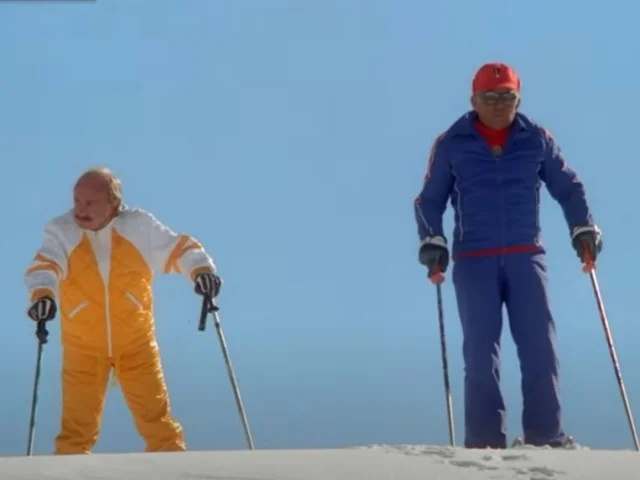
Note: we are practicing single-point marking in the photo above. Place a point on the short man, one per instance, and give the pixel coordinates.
(491, 163)
(96, 266)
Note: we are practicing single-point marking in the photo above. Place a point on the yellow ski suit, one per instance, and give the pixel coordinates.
(102, 284)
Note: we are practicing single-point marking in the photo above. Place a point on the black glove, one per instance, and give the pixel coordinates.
(43, 309)
(434, 255)
(589, 238)
(208, 284)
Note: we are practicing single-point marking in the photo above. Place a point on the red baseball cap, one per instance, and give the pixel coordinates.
(493, 76)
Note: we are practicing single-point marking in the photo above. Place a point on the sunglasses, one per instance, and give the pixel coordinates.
(491, 98)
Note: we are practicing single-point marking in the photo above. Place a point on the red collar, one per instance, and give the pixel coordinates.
(492, 136)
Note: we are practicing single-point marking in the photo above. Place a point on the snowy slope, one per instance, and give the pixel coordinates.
(416, 462)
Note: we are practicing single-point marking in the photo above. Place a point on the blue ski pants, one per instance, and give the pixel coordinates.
(483, 285)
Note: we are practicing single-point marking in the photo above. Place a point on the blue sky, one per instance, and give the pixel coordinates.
(291, 138)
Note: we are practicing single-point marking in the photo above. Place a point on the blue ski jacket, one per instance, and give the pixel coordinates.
(496, 199)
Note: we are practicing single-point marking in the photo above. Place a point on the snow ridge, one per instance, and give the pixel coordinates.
(373, 462)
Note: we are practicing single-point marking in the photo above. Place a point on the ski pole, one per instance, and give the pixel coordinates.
(438, 278)
(590, 268)
(208, 306)
(42, 335)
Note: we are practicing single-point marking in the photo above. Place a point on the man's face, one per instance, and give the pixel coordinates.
(92, 203)
(496, 108)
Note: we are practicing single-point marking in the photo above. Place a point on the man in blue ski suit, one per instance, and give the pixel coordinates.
(491, 163)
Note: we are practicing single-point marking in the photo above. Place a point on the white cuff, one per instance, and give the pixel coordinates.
(437, 240)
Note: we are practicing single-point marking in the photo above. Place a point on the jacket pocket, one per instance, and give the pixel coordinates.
(134, 300)
(75, 310)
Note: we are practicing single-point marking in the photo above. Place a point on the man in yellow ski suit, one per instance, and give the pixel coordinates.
(95, 266)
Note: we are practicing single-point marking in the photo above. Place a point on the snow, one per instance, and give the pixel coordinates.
(377, 462)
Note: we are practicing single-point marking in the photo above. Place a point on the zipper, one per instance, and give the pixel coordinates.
(102, 247)
(498, 153)
(503, 234)
(498, 156)
(107, 309)
(107, 319)
(510, 137)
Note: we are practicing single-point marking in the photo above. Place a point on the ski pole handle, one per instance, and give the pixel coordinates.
(437, 278)
(207, 307)
(42, 334)
(203, 315)
(589, 264)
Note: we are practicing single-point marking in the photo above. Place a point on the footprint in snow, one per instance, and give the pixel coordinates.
(515, 457)
(543, 473)
(472, 464)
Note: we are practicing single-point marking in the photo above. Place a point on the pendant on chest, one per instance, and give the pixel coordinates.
(496, 150)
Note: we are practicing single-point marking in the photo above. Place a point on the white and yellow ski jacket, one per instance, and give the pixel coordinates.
(102, 280)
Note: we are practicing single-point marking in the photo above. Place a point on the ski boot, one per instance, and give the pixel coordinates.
(568, 443)
(517, 442)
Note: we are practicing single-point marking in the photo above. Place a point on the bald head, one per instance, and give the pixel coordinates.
(96, 198)
(100, 179)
